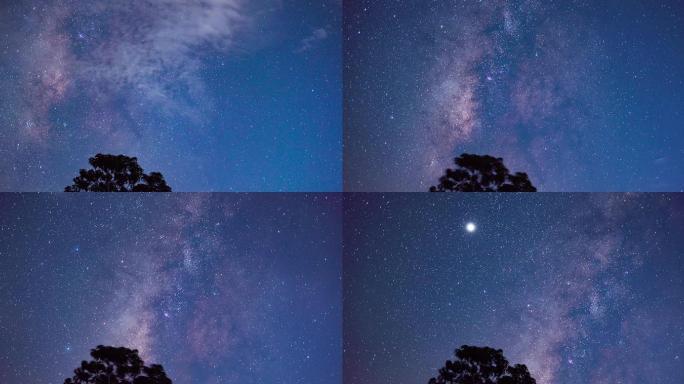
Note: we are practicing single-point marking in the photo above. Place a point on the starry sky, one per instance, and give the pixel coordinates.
(218, 95)
(580, 288)
(581, 95)
(228, 288)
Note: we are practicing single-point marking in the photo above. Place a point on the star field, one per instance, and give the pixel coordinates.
(216, 288)
(580, 288)
(217, 95)
(581, 95)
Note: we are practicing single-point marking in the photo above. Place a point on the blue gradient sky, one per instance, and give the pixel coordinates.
(580, 288)
(581, 95)
(223, 95)
(218, 288)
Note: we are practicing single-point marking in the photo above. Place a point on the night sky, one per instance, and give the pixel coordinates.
(582, 95)
(580, 288)
(216, 288)
(218, 95)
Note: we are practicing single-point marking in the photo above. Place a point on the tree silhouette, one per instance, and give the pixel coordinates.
(477, 173)
(117, 173)
(481, 365)
(117, 365)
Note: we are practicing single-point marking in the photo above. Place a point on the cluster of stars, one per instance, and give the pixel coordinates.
(546, 282)
(568, 92)
(259, 300)
(179, 85)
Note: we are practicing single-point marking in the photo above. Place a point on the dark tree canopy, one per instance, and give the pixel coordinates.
(117, 173)
(475, 173)
(481, 365)
(117, 365)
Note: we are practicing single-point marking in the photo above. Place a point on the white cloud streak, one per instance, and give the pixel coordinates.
(149, 50)
(310, 41)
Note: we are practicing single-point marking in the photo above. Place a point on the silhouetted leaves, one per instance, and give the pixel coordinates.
(112, 365)
(481, 365)
(117, 173)
(477, 173)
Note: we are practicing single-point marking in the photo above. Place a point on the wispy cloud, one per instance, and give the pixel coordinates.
(147, 53)
(312, 40)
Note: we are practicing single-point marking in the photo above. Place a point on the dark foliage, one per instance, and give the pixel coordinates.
(112, 365)
(481, 365)
(117, 173)
(475, 173)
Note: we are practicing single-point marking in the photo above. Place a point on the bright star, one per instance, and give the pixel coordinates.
(470, 227)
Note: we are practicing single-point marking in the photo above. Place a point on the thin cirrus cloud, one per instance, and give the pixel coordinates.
(146, 49)
(310, 41)
(205, 92)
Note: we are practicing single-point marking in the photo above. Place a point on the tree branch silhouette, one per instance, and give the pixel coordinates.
(117, 365)
(475, 173)
(481, 365)
(117, 173)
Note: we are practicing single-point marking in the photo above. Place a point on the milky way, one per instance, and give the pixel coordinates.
(583, 96)
(581, 289)
(217, 289)
(210, 92)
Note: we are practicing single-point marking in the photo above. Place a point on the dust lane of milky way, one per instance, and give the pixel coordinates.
(217, 95)
(580, 288)
(216, 288)
(581, 95)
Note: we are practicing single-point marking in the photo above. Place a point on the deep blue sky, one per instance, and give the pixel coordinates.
(582, 95)
(222, 95)
(580, 288)
(216, 288)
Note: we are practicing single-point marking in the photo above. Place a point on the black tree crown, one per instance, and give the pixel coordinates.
(481, 365)
(475, 173)
(117, 173)
(117, 365)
